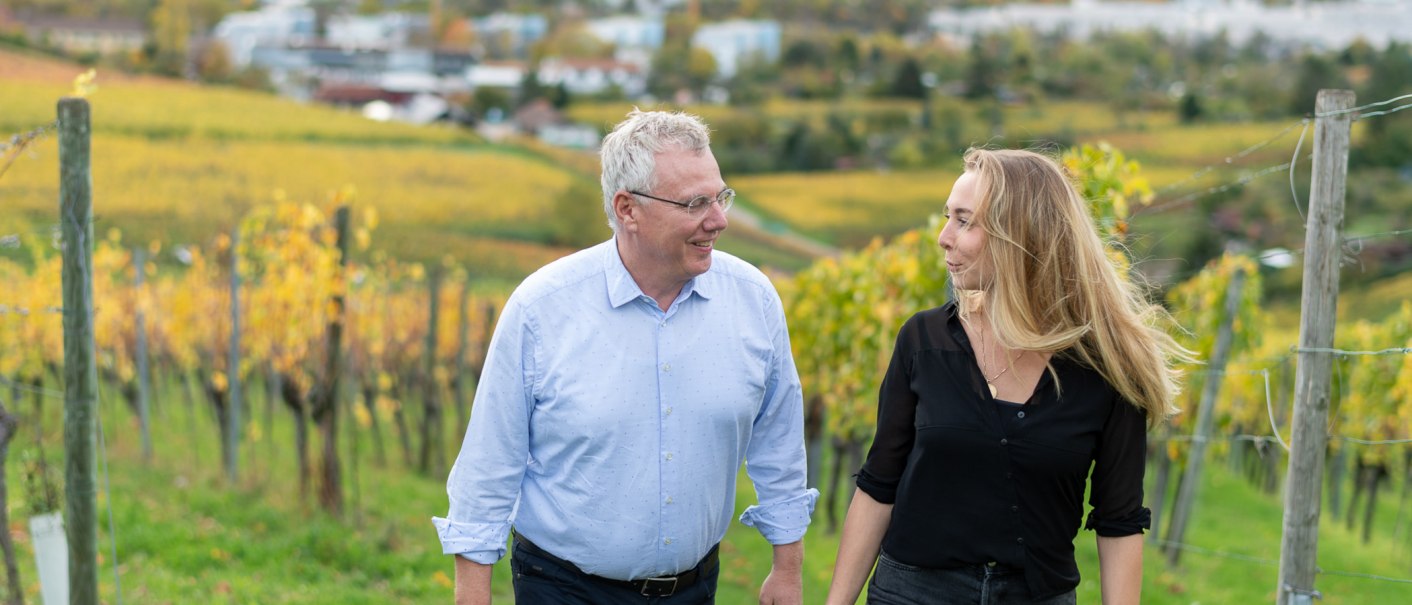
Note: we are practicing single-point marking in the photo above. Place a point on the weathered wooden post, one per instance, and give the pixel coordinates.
(144, 387)
(1299, 543)
(1205, 420)
(80, 371)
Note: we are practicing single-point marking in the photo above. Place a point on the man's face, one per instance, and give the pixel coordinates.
(672, 245)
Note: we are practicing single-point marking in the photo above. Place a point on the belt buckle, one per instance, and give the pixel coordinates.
(659, 587)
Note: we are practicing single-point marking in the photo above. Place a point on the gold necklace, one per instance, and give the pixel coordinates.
(990, 382)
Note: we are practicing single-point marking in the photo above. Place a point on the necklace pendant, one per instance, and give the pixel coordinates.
(992, 390)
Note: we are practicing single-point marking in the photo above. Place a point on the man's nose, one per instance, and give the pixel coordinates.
(715, 219)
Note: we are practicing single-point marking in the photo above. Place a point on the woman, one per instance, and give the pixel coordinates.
(995, 407)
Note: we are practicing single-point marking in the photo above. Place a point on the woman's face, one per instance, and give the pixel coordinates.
(962, 241)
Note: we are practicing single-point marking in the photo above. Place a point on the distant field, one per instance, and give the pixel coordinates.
(178, 162)
(849, 208)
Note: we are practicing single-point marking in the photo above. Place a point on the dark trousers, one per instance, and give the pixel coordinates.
(897, 583)
(542, 580)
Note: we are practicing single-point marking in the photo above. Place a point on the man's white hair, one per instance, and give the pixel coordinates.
(629, 153)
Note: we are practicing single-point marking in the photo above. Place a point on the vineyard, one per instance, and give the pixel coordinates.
(291, 370)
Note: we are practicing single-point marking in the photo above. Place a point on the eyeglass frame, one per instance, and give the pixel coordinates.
(690, 209)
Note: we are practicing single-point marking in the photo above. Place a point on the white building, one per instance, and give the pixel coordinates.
(1324, 25)
(592, 76)
(732, 42)
(384, 31)
(273, 26)
(626, 32)
(496, 74)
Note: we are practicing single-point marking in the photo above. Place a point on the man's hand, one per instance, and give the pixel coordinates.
(785, 584)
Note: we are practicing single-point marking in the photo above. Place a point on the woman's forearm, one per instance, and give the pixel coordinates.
(1120, 569)
(863, 531)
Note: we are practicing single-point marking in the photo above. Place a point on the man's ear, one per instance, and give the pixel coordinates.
(626, 209)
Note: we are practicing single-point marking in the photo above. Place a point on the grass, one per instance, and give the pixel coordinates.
(185, 535)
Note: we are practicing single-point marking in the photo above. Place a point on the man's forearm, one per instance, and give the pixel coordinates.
(472, 582)
(789, 558)
(785, 584)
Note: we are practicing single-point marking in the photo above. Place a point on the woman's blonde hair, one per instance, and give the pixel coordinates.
(1054, 287)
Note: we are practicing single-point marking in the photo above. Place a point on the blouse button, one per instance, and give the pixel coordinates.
(1019, 540)
(1004, 442)
(1020, 415)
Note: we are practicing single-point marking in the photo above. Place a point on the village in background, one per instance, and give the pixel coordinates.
(506, 66)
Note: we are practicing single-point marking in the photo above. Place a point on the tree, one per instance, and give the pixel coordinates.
(981, 71)
(1389, 137)
(1190, 108)
(487, 98)
(1316, 72)
(908, 81)
(171, 32)
(213, 64)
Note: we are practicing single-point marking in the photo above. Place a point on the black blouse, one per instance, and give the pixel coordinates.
(973, 482)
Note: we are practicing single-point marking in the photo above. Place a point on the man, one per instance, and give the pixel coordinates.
(624, 387)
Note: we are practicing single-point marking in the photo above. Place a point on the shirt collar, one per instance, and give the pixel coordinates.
(622, 288)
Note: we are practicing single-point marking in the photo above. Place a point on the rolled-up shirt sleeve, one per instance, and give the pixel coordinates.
(1119, 464)
(897, 410)
(484, 485)
(775, 458)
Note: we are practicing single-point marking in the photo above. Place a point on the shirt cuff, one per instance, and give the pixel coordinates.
(782, 522)
(479, 542)
(885, 492)
(1126, 525)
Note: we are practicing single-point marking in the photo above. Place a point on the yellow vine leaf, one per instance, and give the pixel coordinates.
(84, 84)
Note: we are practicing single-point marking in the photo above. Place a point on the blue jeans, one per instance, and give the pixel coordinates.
(541, 581)
(896, 583)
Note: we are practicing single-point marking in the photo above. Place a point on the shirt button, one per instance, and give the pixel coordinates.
(669, 455)
(1004, 442)
(1019, 540)
(990, 564)
(1020, 415)
(668, 541)
(664, 323)
(666, 367)
(669, 499)
(1014, 509)
(669, 411)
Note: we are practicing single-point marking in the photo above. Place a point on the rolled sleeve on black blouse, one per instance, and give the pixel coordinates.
(1116, 492)
(885, 492)
(1133, 523)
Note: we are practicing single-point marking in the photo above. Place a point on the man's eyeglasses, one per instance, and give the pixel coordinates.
(697, 206)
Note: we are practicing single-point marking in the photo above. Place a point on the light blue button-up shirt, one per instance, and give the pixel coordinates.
(610, 432)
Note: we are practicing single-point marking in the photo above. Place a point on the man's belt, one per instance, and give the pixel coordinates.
(665, 586)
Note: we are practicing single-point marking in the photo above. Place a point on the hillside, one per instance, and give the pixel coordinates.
(179, 163)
